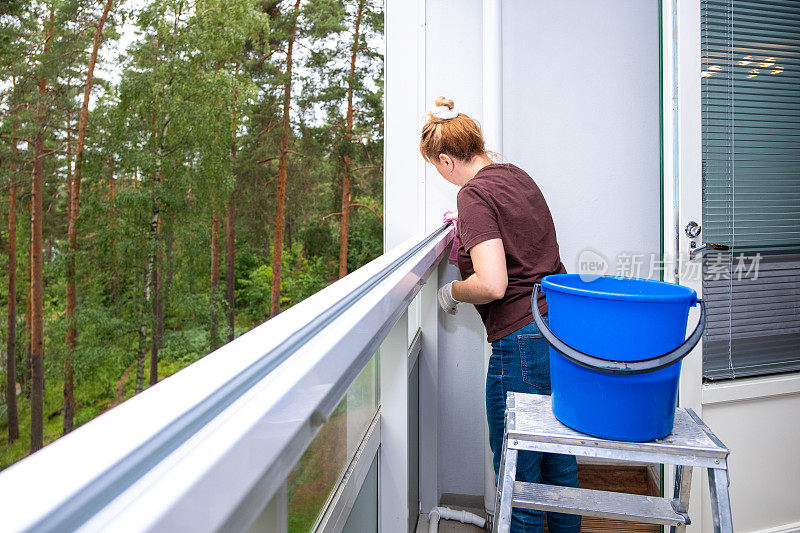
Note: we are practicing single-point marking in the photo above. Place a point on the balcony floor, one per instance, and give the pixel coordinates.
(452, 526)
(618, 478)
(589, 525)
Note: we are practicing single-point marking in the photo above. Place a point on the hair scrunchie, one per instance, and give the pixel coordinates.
(443, 112)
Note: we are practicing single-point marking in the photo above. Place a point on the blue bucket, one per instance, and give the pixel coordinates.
(616, 350)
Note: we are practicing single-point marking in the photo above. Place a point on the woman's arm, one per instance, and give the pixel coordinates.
(490, 279)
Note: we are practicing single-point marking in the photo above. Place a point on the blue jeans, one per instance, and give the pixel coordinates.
(520, 362)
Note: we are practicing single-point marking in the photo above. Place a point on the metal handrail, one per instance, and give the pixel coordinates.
(270, 389)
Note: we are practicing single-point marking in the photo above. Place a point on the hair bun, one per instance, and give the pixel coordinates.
(443, 109)
(442, 101)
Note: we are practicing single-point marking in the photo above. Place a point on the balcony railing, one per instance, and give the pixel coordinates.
(211, 447)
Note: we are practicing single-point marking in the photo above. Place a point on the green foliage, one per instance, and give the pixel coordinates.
(254, 294)
(308, 275)
(366, 237)
(184, 122)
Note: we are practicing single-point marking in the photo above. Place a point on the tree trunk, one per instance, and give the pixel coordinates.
(230, 227)
(167, 278)
(11, 353)
(160, 295)
(230, 258)
(69, 311)
(277, 237)
(28, 327)
(344, 221)
(37, 265)
(158, 319)
(150, 281)
(72, 232)
(161, 299)
(37, 294)
(150, 277)
(214, 333)
(112, 197)
(142, 350)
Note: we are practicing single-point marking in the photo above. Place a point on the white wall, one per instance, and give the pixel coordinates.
(581, 116)
(763, 436)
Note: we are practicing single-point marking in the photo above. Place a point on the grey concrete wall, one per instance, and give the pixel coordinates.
(581, 116)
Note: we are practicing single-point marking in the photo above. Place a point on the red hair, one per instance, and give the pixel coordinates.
(459, 137)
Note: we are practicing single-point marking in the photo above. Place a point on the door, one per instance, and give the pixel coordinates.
(732, 232)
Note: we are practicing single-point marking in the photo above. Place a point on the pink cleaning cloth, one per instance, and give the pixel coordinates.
(451, 217)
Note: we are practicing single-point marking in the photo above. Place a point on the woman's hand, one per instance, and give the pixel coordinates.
(451, 217)
(446, 301)
(490, 280)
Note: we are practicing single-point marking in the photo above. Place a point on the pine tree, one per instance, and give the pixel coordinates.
(37, 265)
(73, 210)
(350, 94)
(280, 195)
(11, 345)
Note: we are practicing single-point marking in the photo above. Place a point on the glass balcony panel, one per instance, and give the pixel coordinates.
(414, 317)
(317, 473)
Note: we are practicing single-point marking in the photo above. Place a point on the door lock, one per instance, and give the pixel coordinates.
(693, 229)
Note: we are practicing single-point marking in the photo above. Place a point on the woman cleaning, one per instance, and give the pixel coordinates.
(507, 244)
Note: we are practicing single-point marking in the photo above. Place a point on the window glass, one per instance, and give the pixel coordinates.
(751, 186)
(319, 470)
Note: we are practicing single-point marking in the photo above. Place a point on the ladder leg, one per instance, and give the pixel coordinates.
(720, 500)
(498, 493)
(680, 501)
(505, 489)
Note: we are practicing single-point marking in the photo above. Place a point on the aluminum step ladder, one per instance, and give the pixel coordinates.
(531, 425)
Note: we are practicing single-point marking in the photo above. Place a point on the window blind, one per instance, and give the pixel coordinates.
(751, 186)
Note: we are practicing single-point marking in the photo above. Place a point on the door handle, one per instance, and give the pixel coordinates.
(694, 249)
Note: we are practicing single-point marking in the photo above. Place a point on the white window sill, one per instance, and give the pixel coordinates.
(751, 388)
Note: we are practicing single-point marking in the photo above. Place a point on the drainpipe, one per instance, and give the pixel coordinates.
(493, 135)
(451, 514)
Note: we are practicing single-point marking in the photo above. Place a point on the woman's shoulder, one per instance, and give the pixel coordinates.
(495, 183)
(501, 177)
(497, 170)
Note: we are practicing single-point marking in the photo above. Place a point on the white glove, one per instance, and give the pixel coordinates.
(446, 300)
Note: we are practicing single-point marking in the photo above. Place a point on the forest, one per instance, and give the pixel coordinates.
(172, 174)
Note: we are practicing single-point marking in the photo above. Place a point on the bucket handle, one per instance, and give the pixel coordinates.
(610, 366)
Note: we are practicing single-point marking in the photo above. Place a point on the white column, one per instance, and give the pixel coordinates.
(393, 509)
(404, 202)
(493, 135)
(429, 397)
(493, 75)
(403, 183)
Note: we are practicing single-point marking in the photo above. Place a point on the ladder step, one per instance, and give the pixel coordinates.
(602, 504)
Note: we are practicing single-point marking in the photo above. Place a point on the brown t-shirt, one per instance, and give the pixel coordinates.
(503, 202)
